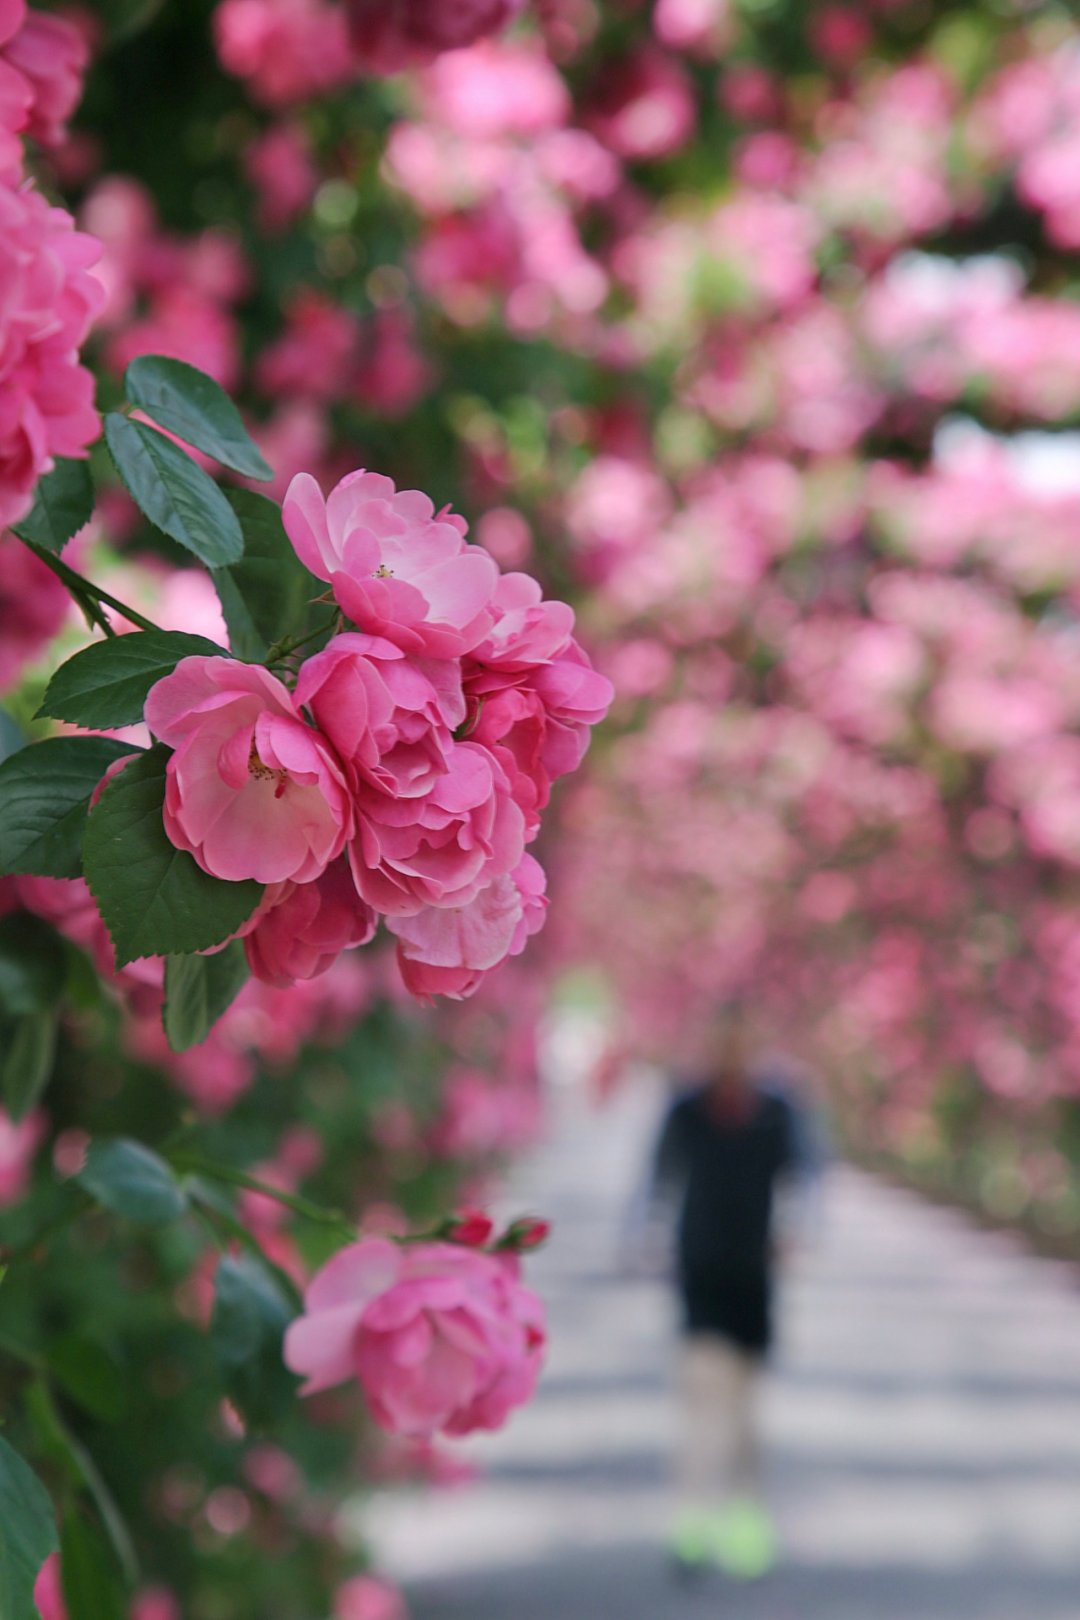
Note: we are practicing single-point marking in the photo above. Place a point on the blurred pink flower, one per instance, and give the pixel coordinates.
(367, 1598)
(18, 1144)
(440, 1337)
(388, 35)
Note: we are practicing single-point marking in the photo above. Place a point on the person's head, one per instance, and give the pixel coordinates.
(727, 1048)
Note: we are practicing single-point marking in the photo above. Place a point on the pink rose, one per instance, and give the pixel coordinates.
(302, 928)
(440, 1337)
(251, 790)
(535, 720)
(397, 568)
(365, 1598)
(52, 56)
(441, 849)
(287, 50)
(47, 301)
(447, 951)
(388, 35)
(388, 715)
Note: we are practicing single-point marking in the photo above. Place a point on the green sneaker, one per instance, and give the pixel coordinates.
(693, 1541)
(744, 1541)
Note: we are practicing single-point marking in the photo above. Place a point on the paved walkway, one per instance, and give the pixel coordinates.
(924, 1425)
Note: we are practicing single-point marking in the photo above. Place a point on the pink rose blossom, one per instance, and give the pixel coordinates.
(388, 35)
(442, 848)
(301, 928)
(47, 302)
(287, 50)
(440, 1337)
(389, 716)
(365, 1598)
(448, 951)
(280, 166)
(396, 567)
(251, 791)
(52, 56)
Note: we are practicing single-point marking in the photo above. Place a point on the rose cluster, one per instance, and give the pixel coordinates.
(442, 1337)
(47, 296)
(405, 773)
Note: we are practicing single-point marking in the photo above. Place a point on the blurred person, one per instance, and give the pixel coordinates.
(730, 1159)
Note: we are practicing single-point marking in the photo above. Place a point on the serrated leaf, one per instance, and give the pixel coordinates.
(195, 408)
(44, 797)
(175, 494)
(248, 1323)
(198, 989)
(265, 595)
(27, 1534)
(27, 1055)
(106, 684)
(133, 1181)
(91, 1581)
(63, 502)
(153, 898)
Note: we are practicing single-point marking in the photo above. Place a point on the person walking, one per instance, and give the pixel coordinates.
(727, 1147)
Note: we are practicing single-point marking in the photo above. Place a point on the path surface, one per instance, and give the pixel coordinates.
(924, 1425)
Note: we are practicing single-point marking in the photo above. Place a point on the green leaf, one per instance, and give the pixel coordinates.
(28, 1047)
(154, 899)
(131, 1180)
(176, 495)
(27, 1534)
(44, 796)
(195, 408)
(197, 991)
(107, 683)
(32, 964)
(87, 1373)
(265, 595)
(91, 1581)
(63, 502)
(249, 1320)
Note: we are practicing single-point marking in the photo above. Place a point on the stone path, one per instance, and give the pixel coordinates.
(923, 1421)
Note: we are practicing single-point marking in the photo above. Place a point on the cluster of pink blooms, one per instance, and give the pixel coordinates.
(442, 1337)
(436, 728)
(47, 296)
(292, 50)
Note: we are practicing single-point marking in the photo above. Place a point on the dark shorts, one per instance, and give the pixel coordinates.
(736, 1308)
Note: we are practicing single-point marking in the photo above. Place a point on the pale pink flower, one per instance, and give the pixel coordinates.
(302, 928)
(366, 1598)
(447, 951)
(440, 1337)
(388, 35)
(397, 568)
(440, 849)
(47, 302)
(280, 166)
(251, 790)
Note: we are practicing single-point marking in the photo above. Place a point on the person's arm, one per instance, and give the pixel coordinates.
(646, 1235)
